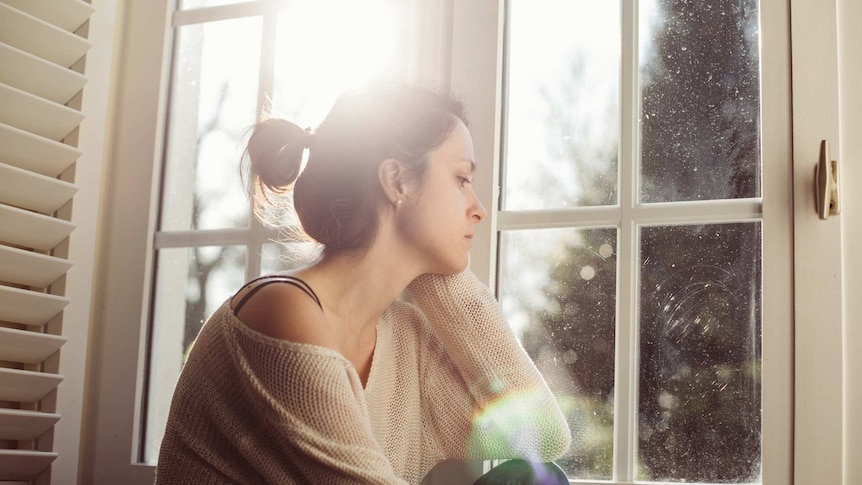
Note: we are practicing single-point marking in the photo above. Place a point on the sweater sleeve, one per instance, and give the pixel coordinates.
(509, 411)
(270, 412)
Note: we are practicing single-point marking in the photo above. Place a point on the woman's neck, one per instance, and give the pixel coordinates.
(356, 287)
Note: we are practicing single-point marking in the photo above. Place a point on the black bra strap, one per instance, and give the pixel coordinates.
(290, 280)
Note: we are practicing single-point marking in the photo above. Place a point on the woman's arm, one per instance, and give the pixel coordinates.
(511, 412)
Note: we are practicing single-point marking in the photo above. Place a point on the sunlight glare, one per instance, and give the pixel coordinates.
(326, 47)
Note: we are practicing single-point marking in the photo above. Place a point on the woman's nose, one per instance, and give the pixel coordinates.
(478, 210)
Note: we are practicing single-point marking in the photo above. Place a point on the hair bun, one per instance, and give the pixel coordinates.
(275, 151)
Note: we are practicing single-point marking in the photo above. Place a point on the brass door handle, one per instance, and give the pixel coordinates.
(826, 184)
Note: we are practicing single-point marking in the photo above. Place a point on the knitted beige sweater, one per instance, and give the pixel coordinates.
(448, 380)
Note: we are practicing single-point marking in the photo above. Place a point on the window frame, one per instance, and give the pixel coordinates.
(133, 151)
(128, 222)
(819, 451)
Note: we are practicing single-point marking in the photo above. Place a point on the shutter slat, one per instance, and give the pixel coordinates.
(30, 34)
(31, 230)
(24, 464)
(16, 424)
(68, 14)
(38, 76)
(26, 386)
(29, 307)
(27, 347)
(35, 153)
(40, 52)
(26, 268)
(37, 115)
(32, 191)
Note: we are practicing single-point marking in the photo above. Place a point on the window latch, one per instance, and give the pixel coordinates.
(826, 184)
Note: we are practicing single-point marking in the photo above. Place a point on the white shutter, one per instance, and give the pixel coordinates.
(41, 60)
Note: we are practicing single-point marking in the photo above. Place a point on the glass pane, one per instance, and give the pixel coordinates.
(191, 283)
(319, 55)
(558, 292)
(700, 88)
(562, 104)
(280, 257)
(700, 344)
(213, 104)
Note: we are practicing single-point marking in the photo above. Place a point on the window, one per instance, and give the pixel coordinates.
(591, 208)
(465, 48)
(231, 65)
(629, 228)
(629, 252)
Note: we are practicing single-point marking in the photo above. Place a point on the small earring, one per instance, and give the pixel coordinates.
(398, 202)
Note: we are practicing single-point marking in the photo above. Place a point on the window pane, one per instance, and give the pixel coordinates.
(562, 106)
(558, 292)
(213, 104)
(191, 283)
(700, 343)
(319, 55)
(700, 118)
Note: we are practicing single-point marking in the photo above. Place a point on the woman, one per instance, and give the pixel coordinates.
(324, 376)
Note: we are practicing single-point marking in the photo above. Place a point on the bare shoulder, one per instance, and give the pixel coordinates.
(284, 312)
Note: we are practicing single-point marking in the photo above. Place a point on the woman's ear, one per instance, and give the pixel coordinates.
(392, 176)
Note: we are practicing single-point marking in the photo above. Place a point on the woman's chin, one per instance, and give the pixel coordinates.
(455, 267)
(453, 264)
(444, 269)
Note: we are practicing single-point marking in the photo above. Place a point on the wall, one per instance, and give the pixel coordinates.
(94, 132)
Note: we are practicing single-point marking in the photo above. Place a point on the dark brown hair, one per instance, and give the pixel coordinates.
(337, 195)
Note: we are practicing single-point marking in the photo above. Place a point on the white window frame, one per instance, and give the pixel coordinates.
(819, 347)
(111, 426)
(850, 125)
(128, 221)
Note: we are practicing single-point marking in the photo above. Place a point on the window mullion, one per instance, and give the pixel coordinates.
(604, 216)
(728, 210)
(477, 52)
(227, 12)
(626, 362)
(209, 237)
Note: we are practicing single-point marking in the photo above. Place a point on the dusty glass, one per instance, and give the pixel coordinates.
(191, 283)
(557, 288)
(700, 95)
(700, 353)
(212, 106)
(561, 104)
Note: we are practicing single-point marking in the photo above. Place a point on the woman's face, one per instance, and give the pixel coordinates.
(439, 221)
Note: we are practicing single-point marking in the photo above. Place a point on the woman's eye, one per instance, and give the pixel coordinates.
(463, 180)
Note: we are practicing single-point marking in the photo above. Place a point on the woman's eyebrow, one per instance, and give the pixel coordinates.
(471, 162)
